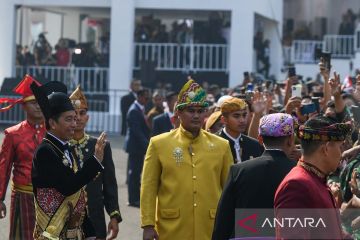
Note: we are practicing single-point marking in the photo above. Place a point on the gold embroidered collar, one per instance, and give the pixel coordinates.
(311, 168)
(82, 140)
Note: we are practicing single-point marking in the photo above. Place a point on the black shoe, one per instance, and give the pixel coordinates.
(134, 204)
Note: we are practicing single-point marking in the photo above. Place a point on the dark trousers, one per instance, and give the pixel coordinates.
(136, 161)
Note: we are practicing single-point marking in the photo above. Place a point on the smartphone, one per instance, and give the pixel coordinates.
(296, 90)
(325, 55)
(308, 108)
(315, 100)
(357, 177)
(327, 60)
(318, 94)
(291, 72)
(250, 87)
(356, 113)
(249, 95)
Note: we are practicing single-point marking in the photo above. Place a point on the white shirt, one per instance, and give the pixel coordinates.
(236, 145)
(170, 114)
(66, 152)
(140, 106)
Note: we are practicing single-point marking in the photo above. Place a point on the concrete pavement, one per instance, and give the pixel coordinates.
(129, 229)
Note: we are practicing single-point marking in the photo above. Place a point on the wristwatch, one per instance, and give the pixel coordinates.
(116, 214)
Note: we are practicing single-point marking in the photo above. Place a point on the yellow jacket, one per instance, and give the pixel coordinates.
(182, 181)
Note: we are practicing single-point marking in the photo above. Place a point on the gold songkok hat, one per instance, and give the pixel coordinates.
(78, 99)
(233, 104)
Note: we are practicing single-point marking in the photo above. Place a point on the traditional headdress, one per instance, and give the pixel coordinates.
(232, 104)
(191, 94)
(23, 88)
(52, 98)
(332, 132)
(277, 125)
(78, 98)
(214, 117)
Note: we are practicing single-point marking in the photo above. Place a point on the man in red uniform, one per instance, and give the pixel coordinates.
(16, 153)
(305, 186)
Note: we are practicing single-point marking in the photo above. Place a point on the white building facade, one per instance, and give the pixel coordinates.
(240, 55)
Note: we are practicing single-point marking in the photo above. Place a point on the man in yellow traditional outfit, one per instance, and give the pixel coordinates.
(183, 175)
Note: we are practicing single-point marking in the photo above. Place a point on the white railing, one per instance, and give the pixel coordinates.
(91, 79)
(182, 57)
(303, 51)
(340, 46)
(357, 40)
(104, 111)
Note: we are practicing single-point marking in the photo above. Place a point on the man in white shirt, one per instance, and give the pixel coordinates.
(235, 116)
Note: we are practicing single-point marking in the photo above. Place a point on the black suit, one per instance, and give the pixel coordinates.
(250, 184)
(102, 191)
(50, 172)
(249, 147)
(136, 143)
(125, 103)
(161, 124)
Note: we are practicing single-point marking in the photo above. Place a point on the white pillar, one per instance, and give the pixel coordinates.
(72, 18)
(8, 41)
(121, 43)
(241, 44)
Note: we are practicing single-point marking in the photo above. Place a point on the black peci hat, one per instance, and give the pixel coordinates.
(52, 98)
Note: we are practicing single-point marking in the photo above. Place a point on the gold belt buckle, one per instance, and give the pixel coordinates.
(74, 233)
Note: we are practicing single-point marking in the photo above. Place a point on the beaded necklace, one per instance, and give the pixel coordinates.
(79, 146)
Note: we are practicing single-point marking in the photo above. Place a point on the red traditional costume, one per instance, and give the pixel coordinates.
(302, 188)
(305, 190)
(16, 153)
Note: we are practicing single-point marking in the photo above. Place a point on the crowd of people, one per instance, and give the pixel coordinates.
(152, 30)
(195, 156)
(349, 22)
(292, 144)
(65, 53)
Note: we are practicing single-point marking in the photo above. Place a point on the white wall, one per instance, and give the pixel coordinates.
(72, 25)
(7, 42)
(341, 66)
(53, 27)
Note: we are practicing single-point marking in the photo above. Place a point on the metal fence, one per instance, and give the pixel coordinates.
(303, 51)
(104, 112)
(182, 57)
(340, 46)
(91, 79)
